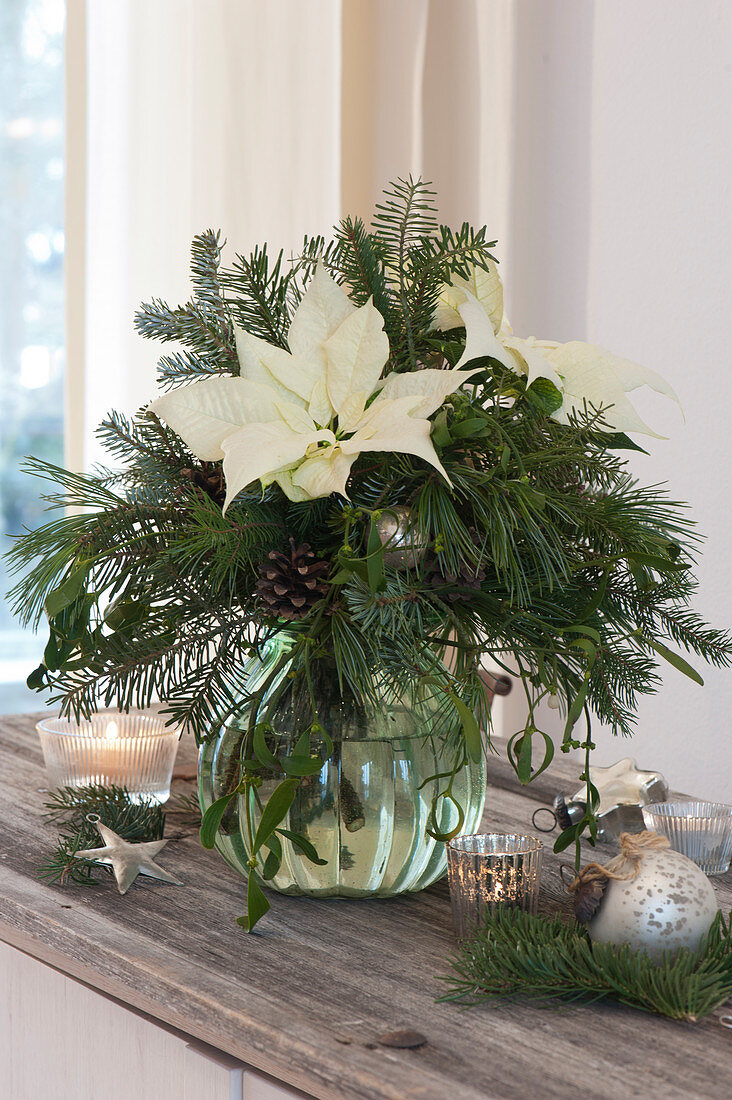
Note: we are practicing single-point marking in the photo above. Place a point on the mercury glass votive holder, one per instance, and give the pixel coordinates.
(135, 751)
(700, 830)
(488, 870)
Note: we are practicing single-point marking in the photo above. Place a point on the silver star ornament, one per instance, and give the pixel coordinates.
(624, 784)
(623, 790)
(127, 860)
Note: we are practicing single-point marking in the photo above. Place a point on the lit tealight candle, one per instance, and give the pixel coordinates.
(111, 757)
(490, 870)
(135, 751)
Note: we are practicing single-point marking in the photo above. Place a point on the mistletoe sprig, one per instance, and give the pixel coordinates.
(305, 399)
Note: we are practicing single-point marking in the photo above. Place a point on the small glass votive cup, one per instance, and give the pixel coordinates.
(490, 870)
(700, 830)
(136, 751)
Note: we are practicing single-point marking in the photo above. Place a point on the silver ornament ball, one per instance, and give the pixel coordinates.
(406, 543)
(670, 904)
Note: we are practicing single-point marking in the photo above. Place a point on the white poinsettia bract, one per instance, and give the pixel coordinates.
(302, 417)
(584, 374)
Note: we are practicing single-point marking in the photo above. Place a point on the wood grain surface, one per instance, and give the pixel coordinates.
(306, 998)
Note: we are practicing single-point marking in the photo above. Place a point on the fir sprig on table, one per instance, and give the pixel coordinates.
(70, 809)
(516, 954)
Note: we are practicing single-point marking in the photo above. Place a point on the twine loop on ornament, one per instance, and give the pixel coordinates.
(589, 885)
(633, 846)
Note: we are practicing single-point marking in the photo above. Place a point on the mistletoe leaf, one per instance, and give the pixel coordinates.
(212, 819)
(257, 903)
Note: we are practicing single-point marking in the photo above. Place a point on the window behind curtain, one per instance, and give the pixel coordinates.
(31, 290)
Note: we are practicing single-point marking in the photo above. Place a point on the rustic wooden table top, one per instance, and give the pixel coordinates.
(306, 999)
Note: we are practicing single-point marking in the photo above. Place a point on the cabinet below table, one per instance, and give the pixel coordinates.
(62, 1040)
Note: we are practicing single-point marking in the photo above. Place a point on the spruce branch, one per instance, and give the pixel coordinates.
(516, 954)
(70, 808)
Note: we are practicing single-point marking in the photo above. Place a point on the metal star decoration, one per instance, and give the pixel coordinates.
(127, 860)
(625, 784)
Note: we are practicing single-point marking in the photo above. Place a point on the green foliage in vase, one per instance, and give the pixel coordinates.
(516, 954)
(536, 542)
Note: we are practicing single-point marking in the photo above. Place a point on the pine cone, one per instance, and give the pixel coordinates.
(208, 479)
(436, 574)
(289, 586)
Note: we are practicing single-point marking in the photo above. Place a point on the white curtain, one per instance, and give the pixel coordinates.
(219, 114)
(267, 120)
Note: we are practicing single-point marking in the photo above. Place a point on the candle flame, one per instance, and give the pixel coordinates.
(112, 732)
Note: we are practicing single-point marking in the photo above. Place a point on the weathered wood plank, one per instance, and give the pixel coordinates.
(306, 999)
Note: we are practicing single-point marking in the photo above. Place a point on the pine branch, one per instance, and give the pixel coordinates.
(258, 294)
(70, 807)
(142, 438)
(519, 955)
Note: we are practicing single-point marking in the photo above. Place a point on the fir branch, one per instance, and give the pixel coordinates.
(355, 258)
(70, 808)
(516, 954)
(258, 294)
(405, 217)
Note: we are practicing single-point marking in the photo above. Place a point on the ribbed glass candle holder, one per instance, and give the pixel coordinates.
(135, 751)
(700, 830)
(488, 870)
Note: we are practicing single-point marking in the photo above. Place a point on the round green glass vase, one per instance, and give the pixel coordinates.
(367, 810)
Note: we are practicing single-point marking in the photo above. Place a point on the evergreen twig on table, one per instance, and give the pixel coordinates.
(516, 954)
(186, 806)
(70, 808)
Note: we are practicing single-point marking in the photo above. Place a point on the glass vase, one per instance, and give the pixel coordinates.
(368, 810)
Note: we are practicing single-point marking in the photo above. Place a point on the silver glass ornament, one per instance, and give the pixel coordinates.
(668, 905)
(405, 543)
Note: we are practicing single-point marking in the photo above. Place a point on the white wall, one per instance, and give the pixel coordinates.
(621, 233)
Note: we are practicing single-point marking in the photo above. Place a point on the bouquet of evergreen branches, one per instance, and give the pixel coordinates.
(370, 384)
